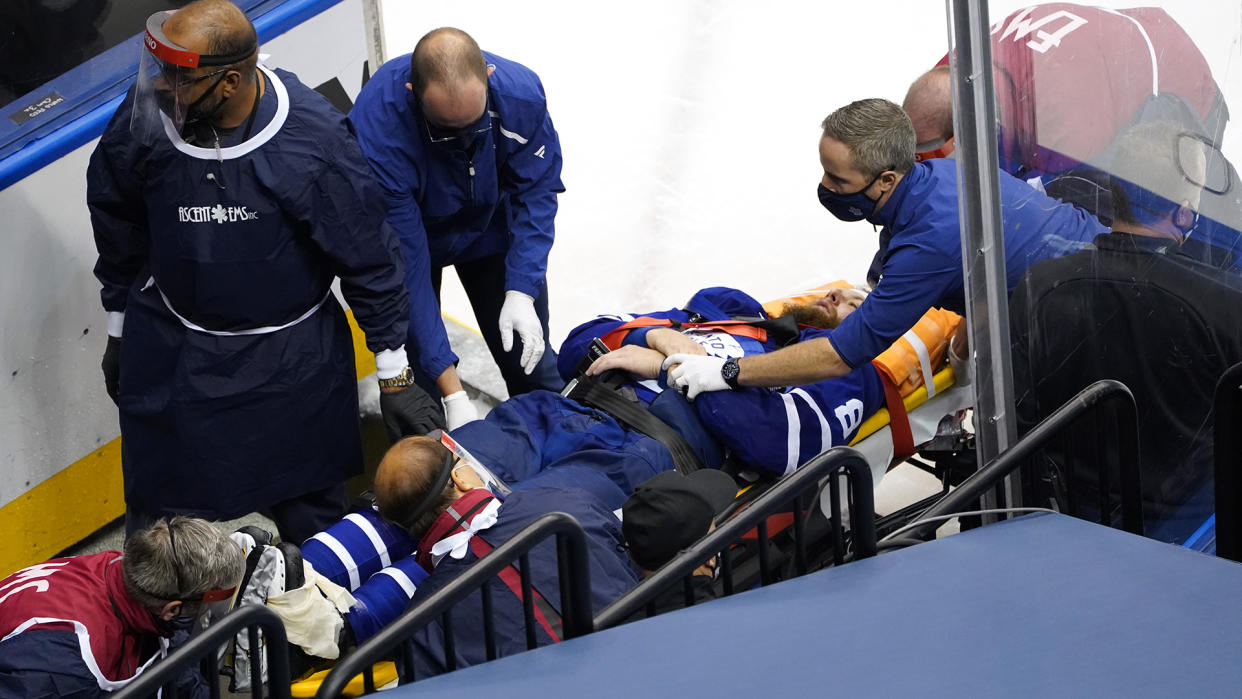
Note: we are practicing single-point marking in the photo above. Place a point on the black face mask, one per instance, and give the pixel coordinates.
(854, 206)
(196, 111)
(181, 622)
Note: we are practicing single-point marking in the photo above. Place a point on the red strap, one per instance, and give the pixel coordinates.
(740, 328)
(545, 613)
(898, 420)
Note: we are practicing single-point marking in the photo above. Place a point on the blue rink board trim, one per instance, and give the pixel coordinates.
(278, 17)
(1043, 605)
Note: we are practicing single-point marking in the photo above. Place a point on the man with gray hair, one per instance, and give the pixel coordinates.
(88, 625)
(867, 152)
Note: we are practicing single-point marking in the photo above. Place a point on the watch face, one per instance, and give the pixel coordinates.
(728, 371)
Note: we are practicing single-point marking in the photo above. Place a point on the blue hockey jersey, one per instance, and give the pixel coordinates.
(772, 429)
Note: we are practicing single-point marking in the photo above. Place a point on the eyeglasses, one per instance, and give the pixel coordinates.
(178, 81)
(1202, 164)
(466, 136)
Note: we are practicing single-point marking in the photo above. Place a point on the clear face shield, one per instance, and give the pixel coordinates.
(173, 80)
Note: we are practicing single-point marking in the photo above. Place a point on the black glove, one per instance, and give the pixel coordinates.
(410, 411)
(112, 367)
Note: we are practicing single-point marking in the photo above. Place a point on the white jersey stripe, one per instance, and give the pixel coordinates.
(373, 534)
(793, 446)
(343, 555)
(825, 431)
(402, 579)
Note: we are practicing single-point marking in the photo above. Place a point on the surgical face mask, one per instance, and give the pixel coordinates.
(849, 207)
(181, 622)
(207, 104)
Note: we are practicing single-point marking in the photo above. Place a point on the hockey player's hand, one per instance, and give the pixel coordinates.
(695, 374)
(668, 342)
(409, 411)
(639, 361)
(458, 410)
(518, 314)
(111, 366)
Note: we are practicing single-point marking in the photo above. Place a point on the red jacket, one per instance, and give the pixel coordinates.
(73, 602)
(1069, 77)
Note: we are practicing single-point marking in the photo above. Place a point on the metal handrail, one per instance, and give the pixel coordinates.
(1098, 393)
(575, 584)
(826, 465)
(208, 642)
(1227, 443)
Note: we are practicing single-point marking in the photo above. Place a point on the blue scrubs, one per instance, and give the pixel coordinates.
(488, 211)
(922, 266)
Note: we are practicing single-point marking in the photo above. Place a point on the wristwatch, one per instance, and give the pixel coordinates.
(402, 380)
(728, 372)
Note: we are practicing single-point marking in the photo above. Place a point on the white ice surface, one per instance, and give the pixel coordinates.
(690, 130)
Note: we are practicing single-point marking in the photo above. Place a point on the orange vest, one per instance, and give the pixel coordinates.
(914, 358)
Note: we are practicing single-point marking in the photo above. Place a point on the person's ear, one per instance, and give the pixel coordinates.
(887, 181)
(1184, 217)
(231, 83)
(465, 479)
(490, 69)
(170, 610)
(410, 87)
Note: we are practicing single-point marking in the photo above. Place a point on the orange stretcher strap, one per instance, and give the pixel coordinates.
(740, 328)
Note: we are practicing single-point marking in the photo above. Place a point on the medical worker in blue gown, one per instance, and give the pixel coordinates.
(225, 199)
(470, 163)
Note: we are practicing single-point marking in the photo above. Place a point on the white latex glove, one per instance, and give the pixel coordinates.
(697, 374)
(518, 314)
(458, 410)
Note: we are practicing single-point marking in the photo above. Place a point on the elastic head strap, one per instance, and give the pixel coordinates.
(433, 493)
(166, 50)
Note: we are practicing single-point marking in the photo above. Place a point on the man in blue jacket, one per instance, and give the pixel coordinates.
(867, 153)
(463, 145)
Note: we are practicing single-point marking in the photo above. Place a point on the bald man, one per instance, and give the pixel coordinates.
(1064, 94)
(463, 145)
(437, 498)
(225, 198)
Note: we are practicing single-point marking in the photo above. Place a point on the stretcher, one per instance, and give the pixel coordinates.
(921, 396)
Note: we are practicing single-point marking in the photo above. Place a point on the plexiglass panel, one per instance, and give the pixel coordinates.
(1123, 251)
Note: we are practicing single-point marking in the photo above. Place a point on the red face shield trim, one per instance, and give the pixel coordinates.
(221, 595)
(944, 151)
(162, 48)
